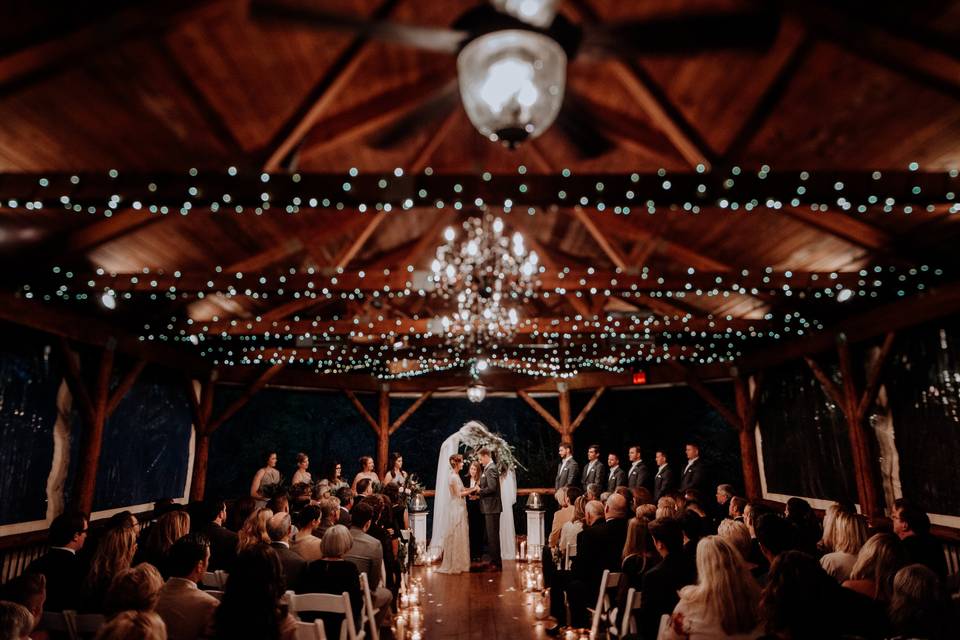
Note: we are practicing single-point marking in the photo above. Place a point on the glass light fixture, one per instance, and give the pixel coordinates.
(476, 392)
(539, 13)
(512, 83)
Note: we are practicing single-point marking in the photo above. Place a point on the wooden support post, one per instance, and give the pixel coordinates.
(383, 431)
(855, 405)
(747, 410)
(566, 435)
(409, 412)
(94, 411)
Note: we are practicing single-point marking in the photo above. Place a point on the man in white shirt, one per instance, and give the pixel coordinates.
(617, 476)
(663, 481)
(638, 476)
(693, 476)
(186, 610)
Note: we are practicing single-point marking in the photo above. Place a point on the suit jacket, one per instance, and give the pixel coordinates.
(568, 472)
(663, 482)
(639, 476)
(64, 573)
(616, 477)
(186, 610)
(223, 546)
(560, 518)
(293, 565)
(367, 555)
(596, 475)
(694, 477)
(659, 592)
(309, 547)
(490, 490)
(599, 547)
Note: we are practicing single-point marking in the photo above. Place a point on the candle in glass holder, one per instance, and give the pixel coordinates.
(570, 635)
(523, 550)
(415, 618)
(404, 601)
(401, 627)
(539, 610)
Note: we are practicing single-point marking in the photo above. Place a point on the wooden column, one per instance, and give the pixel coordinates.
(743, 420)
(563, 426)
(96, 405)
(382, 427)
(855, 405)
(747, 411)
(205, 425)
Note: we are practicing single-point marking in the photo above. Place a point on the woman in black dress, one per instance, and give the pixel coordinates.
(474, 517)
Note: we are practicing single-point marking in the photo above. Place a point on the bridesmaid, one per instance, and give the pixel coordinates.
(366, 471)
(266, 478)
(301, 474)
(335, 476)
(396, 475)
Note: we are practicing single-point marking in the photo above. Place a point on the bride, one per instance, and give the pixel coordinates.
(447, 515)
(456, 541)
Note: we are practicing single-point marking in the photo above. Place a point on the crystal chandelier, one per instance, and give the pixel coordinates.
(485, 274)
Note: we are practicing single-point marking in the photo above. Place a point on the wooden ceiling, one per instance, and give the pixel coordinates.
(151, 87)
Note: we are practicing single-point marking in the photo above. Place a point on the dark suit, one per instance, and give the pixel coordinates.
(64, 573)
(223, 546)
(491, 507)
(596, 475)
(663, 482)
(694, 477)
(598, 547)
(639, 476)
(659, 594)
(568, 472)
(616, 477)
(293, 564)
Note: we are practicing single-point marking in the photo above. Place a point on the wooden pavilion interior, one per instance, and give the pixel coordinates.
(252, 195)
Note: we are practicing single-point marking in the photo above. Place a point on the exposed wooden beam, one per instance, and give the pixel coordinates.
(586, 409)
(245, 397)
(410, 411)
(125, 385)
(337, 78)
(361, 410)
(421, 158)
(873, 376)
(826, 382)
(747, 404)
(626, 131)
(848, 227)
(704, 392)
(375, 113)
(543, 413)
(353, 248)
(24, 66)
(546, 257)
(614, 253)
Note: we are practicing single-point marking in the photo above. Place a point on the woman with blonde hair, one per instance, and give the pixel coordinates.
(254, 530)
(666, 507)
(725, 601)
(161, 535)
(301, 474)
(133, 625)
(848, 533)
(366, 473)
(877, 563)
(569, 531)
(113, 554)
(134, 589)
(738, 535)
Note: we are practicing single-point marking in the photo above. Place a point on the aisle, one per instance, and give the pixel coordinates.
(477, 605)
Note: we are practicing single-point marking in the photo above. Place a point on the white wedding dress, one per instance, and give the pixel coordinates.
(456, 539)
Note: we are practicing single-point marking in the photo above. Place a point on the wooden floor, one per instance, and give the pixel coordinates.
(477, 605)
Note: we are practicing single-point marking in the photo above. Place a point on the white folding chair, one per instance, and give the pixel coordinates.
(610, 580)
(328, 603)
(214, 579)
(216, 593)
(570, 554)
(368, 615)
(311, 630)
(627, 622)
(58, 622)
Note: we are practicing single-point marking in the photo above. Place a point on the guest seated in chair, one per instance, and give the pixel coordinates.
(186, 610)
(333, 574)
(251, 600)
(60, 565)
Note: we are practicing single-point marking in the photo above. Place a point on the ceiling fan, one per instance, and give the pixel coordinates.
(512, 55)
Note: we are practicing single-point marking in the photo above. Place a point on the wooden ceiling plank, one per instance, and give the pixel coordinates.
(337, 78)
(846, 227)
(99, 233)
(606, 245)
(373, 114)
(25, 66)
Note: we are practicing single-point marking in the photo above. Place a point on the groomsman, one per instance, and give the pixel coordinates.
(639, 476)
(617, 476)
(663, 482)
(694, 475)
(568, 471)
(595, 472)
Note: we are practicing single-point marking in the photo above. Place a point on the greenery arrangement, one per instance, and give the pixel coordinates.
(475, 435)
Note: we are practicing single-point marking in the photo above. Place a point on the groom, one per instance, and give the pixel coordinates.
(490, 506)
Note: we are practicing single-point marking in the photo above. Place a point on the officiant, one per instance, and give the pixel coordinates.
(474, 516)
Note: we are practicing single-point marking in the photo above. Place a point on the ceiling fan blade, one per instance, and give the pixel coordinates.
(683, 34)
(576, 123)
(437, 39)
(406, 127)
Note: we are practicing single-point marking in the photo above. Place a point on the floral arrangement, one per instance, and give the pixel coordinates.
(475, 436)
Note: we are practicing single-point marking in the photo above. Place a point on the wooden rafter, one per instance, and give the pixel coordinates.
(396, 424)
(126, 383)
(587, 408)
(546, 257)
(543, 413)
(362, 410)
(334, 81)
(848, 227)
(375, 113)
(245, 397)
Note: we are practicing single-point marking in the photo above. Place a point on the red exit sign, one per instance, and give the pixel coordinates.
(639, 377)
